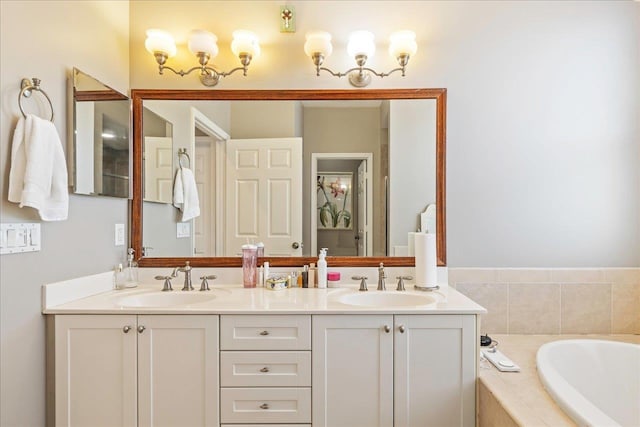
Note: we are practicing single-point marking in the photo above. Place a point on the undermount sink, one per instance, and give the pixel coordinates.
(386, 299)
(165, 299)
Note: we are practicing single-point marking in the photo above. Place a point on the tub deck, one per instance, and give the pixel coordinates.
(518, 398)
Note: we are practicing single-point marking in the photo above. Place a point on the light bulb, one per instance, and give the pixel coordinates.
(361, 43)
(160, 41)
(203, 41)
(245, 42)
(402, 43)
(318, 42)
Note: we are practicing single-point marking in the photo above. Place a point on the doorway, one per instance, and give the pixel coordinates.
(341, 203)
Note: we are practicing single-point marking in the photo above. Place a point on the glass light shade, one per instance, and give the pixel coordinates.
(403, 43)
(361, 43)
(318, 42)
(160, 41)
(245, 42)
(203, 41)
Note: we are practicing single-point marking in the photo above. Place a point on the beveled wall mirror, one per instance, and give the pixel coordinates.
(99, 158)
(352, 170)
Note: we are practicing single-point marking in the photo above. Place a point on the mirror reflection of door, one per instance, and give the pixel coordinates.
(334, 205)
(158, 157)
(264, 195)
(362, 235)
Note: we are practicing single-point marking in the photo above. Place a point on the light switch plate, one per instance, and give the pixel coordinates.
(119, 235)
(19, 237)
(183, 230)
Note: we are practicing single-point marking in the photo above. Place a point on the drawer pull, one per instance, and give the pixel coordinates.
(264, 406)
(264, 333)
(126, 329)
(265, 369)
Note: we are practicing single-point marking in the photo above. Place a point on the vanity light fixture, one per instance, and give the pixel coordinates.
(361, 46)
(203, 45)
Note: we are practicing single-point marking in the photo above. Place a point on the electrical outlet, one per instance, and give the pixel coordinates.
(119, 236)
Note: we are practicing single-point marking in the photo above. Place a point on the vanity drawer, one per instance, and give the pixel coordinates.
(266, 332)
(265, 405)
(265, 369)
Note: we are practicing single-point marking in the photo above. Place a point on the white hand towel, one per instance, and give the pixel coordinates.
(38, 175)
(185, 194)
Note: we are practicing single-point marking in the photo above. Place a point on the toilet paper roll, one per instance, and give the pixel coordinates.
(426, 259)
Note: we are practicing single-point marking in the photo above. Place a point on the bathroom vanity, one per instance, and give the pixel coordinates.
(252, 357)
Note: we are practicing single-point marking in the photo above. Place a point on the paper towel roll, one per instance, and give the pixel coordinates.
(426, 259)
(412, 243)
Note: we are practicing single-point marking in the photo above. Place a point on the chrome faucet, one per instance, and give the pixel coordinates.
(381, 276)
(187, 276)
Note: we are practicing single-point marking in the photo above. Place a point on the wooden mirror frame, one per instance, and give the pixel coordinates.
(139, 95)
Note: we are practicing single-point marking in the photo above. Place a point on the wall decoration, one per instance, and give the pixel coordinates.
(334, 201)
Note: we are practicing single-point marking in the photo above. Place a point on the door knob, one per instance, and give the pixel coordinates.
(402, 328)
(387, 329)
(126, 329)
(295, 245)
(141, 329)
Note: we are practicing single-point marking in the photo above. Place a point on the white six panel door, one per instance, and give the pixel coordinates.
(264, 195)
(158, 170)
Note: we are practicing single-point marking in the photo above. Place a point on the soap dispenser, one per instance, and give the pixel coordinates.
(322, 269)
(130, 272)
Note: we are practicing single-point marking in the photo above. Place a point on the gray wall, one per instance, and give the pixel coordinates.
(46, 40)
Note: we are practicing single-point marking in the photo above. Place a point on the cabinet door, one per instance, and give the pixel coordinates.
(435, 370)
(95, 370)
(178, 370)
(352, 372)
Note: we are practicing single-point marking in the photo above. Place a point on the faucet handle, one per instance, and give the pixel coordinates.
(167, 283)
(204, 286)
(401, 280)
(363, 282)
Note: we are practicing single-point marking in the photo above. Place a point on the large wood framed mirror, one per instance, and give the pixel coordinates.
(353, 170)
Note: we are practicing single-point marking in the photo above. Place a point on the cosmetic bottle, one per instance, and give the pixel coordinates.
(322, 269)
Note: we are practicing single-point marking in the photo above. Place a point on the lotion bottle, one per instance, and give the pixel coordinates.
(322, 269)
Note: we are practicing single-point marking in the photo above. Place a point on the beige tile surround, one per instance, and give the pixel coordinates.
(553, 301)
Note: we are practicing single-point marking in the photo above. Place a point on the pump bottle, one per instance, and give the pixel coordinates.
(322, 268)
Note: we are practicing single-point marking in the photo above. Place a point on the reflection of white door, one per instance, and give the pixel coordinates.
(203, 225)
(264, 195)
(362, 234)
(158, 169)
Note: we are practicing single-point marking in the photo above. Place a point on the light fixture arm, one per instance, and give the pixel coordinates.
(360, 76)
(209, 76)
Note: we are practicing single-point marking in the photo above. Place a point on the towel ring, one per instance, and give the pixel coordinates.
(27, 88)
(183, 152)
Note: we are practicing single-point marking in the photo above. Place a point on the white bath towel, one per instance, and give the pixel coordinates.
(185, 194)
(38, 174)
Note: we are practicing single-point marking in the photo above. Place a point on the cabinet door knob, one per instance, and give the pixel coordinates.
(387, 328)
(126, 329)
(402, 328)
(141, 329)
(263, 333)
(264, 406)
(265, 369)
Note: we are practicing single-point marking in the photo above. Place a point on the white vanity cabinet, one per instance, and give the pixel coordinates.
(128, 370)
(265, 370)
(394, 370)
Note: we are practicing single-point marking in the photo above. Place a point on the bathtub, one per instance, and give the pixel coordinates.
(596, 382)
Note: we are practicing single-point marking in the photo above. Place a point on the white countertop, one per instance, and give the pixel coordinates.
(234, 299)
